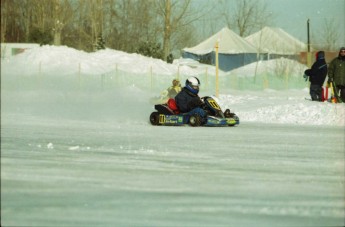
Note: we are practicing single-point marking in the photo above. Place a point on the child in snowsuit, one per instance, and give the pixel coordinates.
(317, 75)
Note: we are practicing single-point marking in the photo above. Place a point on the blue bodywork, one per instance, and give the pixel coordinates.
(183, 119)
(215, 116)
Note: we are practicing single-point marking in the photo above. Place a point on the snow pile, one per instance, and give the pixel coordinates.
(47, 59)
(197, 66)
(283, 108)
(275, 67)
(299, 113)
(53, 60)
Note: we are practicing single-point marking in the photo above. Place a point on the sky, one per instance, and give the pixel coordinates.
(292, 16)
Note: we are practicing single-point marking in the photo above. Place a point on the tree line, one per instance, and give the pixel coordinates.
(151, 27)
(128, 25)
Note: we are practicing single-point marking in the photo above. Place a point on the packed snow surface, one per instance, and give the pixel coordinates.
(77, 148)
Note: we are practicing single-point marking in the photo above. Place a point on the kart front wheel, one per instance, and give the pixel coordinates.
(195, 120)
(154, 118)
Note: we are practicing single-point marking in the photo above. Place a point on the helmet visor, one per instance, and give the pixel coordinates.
(195, 87)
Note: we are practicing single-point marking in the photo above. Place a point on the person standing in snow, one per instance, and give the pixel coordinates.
(336, 72)
(188, 100)
(317, 75)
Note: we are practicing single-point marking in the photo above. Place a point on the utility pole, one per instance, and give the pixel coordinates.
(308, 33)
(308, 37)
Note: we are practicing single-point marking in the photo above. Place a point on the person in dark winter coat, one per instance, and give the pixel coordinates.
(188, 100)
(336, 72)
(317, 75)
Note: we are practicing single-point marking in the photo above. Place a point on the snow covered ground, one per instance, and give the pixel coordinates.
(77, 149)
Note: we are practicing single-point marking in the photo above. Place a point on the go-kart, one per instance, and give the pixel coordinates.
(169, 114)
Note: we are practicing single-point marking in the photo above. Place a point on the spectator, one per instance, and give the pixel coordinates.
(336, 73)
(317, 75)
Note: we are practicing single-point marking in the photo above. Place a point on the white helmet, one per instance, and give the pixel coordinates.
(192, 84)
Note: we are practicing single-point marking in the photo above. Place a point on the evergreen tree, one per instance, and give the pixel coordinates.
(170, 58)
(41, 37)
(100, 45)
(150, 49)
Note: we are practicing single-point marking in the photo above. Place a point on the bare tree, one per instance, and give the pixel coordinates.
(5, 5)
(11, 28)
(110, 18)
(41, 13)
(167, 28)
(96, 19)
(177, 16)
(329, 35)
(124, 24)
(62, 13)
(245, 16)
(22, 14)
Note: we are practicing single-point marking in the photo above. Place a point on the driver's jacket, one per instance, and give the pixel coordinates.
(186, 100)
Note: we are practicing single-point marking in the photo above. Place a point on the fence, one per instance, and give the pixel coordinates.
(148, 81)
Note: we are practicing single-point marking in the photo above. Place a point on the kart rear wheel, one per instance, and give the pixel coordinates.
(195, 120)
(154, 118)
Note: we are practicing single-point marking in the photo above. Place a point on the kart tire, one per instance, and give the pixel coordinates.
(154, 118)
(195, 120)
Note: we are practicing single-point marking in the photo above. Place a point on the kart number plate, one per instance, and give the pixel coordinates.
(161, 119)
(214, 104)
(170, 119)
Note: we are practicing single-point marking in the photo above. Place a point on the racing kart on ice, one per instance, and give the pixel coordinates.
(168, 114)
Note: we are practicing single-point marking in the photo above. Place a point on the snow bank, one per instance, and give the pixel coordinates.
(277, 67)
(63, 60)
(283, 107)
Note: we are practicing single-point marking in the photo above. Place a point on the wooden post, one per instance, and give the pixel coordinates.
(151, 78)
(40, 69)
(116, 75)
(217, 66)
(79, 74)
(206, 73)
(102, 81)
(40, 74)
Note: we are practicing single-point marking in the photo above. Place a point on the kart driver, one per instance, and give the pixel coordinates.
(188, 100)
